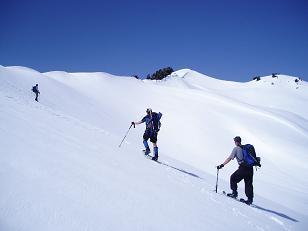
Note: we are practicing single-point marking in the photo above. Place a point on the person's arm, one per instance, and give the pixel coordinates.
(227, 161)
(138, 122)
(224, 163)
(231, 157)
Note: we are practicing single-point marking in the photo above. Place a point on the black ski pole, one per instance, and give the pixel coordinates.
(217, 180)
(126, 134)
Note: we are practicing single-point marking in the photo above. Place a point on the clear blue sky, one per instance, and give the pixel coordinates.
(226, 39)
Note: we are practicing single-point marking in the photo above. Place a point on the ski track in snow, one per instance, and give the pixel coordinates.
(235, 210)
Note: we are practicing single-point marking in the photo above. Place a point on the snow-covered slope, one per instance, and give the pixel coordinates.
(62, 168)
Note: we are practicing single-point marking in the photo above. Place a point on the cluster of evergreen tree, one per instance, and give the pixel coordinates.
(257, 78)
(160, 74)
(275, 75)
(298, 79)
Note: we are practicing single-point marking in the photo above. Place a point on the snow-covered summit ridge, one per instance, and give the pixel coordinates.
(280, 79)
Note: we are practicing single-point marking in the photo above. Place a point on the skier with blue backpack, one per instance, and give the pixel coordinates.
(246, 158)
(152, 122)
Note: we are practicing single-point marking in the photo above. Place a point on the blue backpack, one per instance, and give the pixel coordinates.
(156, 121)
(249, 156)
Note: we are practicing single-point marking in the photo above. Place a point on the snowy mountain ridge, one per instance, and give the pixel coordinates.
(63, 169)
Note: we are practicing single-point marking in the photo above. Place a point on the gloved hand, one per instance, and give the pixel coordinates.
(133, 123)
(220, 166)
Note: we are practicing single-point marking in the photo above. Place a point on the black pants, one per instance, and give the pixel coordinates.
(150, 134)
(36, 95)
(241, 173)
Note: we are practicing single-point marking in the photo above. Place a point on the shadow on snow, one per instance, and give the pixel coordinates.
(274, 212)
(254, 205)
(180, 170)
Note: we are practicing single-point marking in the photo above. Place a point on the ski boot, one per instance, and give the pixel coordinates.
(247, 202)
(155, 158)
(147, 152)
(233, 194)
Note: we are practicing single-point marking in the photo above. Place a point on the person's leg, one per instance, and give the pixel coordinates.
(145, 142)
(36, 96)
(153, 139)
(155, 150)
(248, 179)
(235, 178)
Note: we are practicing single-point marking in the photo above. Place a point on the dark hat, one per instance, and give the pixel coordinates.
(237, 139)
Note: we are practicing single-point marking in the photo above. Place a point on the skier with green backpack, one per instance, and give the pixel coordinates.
(246, 158)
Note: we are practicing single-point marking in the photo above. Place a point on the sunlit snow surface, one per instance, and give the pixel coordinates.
(62, 168)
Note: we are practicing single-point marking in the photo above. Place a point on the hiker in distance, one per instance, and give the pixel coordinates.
(152, 124)
(243, 172)
(36, 91)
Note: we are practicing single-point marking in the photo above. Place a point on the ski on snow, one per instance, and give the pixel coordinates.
(148, 156)
(242, 200)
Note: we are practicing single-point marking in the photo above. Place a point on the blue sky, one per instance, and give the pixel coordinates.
(231, 40)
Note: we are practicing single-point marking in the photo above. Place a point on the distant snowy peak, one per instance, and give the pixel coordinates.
(180, 77)
(180, 73)
(21, 69)
(192, 75)
(280, 78)
(284, 81)
(189, 73)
